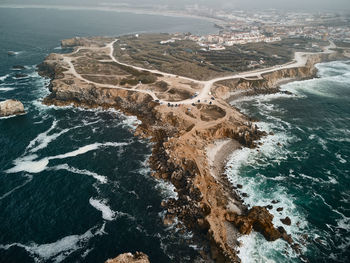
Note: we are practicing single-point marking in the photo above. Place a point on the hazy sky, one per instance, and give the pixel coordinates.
(256, 4)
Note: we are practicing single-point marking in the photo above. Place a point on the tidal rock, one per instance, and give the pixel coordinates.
(18, 67)
(280, 209)
(11, 53)
(138, 257)
(11, 107)
(269, 207)
(20, 75)
(257, 218)
(286, 221)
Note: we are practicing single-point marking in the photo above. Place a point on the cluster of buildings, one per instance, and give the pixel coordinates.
(242, 27)
(219, 41)
(273, 25)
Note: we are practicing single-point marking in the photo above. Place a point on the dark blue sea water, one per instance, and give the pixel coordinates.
(309, 173)
(74, 184)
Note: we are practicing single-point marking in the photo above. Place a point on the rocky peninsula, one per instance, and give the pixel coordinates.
(193, 129)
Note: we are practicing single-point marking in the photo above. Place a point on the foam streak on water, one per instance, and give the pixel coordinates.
(27, 163)
(58, 250)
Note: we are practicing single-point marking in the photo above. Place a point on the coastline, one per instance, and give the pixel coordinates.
(207, 201)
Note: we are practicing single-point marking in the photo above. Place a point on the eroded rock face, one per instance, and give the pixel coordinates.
(138, 257)
(11, 107)
(259, 219)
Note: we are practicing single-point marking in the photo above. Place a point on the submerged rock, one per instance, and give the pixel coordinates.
(18, 67)
(11, 107)
(138, 257)
(11, 53)
(20, 76)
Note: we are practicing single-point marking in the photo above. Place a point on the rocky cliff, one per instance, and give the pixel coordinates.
(269, 83)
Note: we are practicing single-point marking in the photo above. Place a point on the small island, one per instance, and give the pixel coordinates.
(181, 93)
(10, 108)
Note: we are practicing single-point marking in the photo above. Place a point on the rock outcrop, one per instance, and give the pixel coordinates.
(10, 108)
(138, 257)
(259, 219)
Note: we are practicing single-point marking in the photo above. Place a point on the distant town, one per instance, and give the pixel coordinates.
(242, 27)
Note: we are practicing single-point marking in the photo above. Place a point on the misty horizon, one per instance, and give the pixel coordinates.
(311, 5)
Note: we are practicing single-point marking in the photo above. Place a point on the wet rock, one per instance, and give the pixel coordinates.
(286, 221)
(20, 76)
(284, 235)
(18, 67)
(138, 257)
(257, 218)
(275, 201)
(169, 220)
(286, 92)
(245, 195)
(269, 207)
(11, 107)
(280, 209)
(239, 186)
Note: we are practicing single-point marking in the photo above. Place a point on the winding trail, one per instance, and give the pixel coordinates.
(300, 60)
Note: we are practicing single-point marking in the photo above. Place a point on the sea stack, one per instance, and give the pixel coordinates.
(139, 257)
(11, 107)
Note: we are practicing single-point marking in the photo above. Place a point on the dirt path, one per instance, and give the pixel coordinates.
(300, 60)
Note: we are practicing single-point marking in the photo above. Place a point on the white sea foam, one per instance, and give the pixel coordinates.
(2, 78)
(166, 189)
(131, 122)
(340, 158)
(101, 205)
(27, 163)
(102, 179)
(43, 139)
(58, 250)
(6, 89)
(29, 179)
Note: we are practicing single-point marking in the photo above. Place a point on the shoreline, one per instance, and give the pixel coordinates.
(189, 152)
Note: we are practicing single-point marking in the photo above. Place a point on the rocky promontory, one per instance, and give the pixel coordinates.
(188, 133)
(11, 108)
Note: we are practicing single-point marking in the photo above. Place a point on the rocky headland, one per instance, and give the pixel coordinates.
(191, 138)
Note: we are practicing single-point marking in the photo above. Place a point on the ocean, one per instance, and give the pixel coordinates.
(74, 184)
(304, 165)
